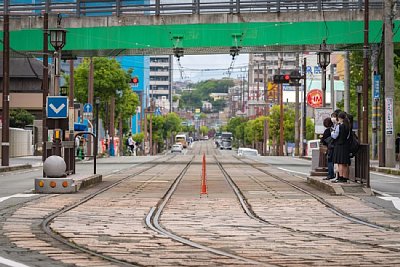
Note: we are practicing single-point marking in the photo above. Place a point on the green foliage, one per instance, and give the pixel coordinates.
(19, 118)
(138, 138)
(288, 123)
(173, 124)
(310, 129)
(110, 80)
(204, 130)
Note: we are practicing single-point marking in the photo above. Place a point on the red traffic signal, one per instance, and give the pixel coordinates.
(135, 80)
(282, 78)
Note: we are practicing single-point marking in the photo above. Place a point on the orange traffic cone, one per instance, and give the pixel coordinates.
(203, 177)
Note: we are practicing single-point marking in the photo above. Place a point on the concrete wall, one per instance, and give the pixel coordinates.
(20, 142)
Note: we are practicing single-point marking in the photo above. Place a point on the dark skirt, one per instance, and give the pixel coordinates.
(341, 154)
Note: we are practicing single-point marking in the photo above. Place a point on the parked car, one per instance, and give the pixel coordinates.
(177, 148)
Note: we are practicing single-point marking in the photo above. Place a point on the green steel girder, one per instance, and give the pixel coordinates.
(205, 38)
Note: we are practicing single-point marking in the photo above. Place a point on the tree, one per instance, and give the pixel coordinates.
(110, 80)
(19, 118)
(204, 130)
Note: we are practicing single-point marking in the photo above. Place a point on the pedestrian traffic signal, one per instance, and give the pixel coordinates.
(282, 78)
(135, 80)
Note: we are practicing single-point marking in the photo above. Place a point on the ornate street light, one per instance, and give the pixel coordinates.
(58, 38)
(324, 59)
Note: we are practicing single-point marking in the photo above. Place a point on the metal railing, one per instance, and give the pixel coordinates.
(361, 174)
(78, 8)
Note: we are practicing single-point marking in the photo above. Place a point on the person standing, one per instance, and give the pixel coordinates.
(341, 151)
(131, 144)
(327, 141)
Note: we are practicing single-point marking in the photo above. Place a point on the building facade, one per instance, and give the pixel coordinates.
(161, 82)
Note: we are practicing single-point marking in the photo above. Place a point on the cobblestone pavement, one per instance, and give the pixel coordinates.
(298, 230)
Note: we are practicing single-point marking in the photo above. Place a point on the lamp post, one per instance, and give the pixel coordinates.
(96, 142)
(57, 40)
(324, 59)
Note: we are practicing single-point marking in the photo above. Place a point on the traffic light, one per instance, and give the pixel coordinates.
(282, 78)
(135, 81)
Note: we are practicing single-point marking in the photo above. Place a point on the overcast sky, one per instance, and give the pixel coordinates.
(197, 68)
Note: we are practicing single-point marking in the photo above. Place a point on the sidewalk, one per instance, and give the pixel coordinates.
(20, 163)
(374, 166)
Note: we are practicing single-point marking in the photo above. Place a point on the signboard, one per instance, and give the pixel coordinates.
(57, 107)
(314, 98)
(389, 115)
(88, 111)
(377, 82)
(320, 115)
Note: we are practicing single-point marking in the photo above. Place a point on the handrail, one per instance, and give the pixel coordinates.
(80, 8)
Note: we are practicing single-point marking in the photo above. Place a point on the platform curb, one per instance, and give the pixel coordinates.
(89, 181)
(15, 167)
(339, 189)
(385, 170)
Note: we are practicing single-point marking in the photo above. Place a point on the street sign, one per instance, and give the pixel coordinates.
(377, 81)
(88, 108)
(320, 115)
(314, 98)
(57, 107)
(389, 115)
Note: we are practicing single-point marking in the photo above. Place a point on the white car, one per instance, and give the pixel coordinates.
(177, 148)
(244, 151)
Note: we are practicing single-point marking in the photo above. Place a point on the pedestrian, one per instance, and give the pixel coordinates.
(328, 141)
(341, 151)
(398, 147)
(131, 144)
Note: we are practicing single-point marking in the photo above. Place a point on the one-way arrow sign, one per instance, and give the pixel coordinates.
(57, 107)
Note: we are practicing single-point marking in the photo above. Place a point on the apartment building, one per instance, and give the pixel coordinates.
(161, 82)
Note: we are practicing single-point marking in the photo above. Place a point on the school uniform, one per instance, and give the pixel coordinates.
(341, 150)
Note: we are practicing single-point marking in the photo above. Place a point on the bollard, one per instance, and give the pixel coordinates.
(203, 177)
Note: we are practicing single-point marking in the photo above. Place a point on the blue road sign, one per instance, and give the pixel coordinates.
(377, 81)
(88, 108)
(57, 107)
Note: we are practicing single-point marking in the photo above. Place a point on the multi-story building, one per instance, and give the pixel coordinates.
(161, 82)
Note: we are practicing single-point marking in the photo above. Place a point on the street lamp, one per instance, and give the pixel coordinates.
(324, 59)
(58, 38)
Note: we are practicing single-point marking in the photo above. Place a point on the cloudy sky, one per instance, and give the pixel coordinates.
(197, 68)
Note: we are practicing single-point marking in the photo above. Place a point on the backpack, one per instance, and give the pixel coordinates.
(354, 144)
(127, 142)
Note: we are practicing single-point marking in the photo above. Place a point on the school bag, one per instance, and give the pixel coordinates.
(354, 144)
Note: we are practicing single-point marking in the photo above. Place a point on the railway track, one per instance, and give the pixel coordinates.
(247, 208)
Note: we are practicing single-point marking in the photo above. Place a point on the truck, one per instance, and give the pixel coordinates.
(226, 140)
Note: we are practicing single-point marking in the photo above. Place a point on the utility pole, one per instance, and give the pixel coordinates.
(281, 129)
(90, 100)
(266, 108)
(304, 120)
(112, 126)
(389, 86)
(347, 82)
(45, 81)
(375, 101)
(332, 70)
(5, 133)
(296, 114)
(366, 71)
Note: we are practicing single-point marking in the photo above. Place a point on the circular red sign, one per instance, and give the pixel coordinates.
(314, 98)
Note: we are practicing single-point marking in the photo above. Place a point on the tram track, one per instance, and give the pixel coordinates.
(45, 225)
(247, 208)
(153, 222)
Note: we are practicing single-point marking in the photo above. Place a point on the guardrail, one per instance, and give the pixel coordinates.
(78, 8)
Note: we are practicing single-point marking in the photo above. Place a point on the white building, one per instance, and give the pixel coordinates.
(161, 81)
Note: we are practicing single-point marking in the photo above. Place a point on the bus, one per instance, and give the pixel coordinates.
(181, 138)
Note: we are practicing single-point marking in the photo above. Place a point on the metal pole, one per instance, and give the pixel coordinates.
(71, 98)
(5, 141)
(90, 100)
(366, 72)
(346, 82)
(374, 141)
(296, 114)
(280, 88)
(323, 81)
(389, 87)
(112, 128)
(96, 142)
(45, 82)
(333, 104)
(304, 107)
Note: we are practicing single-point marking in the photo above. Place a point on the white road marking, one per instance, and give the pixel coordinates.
(286, 170)
(17, 195)
(395, 201)
(11, 263)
